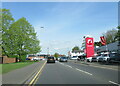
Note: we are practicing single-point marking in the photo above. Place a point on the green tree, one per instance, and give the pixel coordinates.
(75, 48)
(97, 43)
(56, 55)
(18, 38)
(110, 36)
(5, 22)
(118, 34)
(23, 38)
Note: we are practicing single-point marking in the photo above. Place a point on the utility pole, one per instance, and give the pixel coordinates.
(48, 51)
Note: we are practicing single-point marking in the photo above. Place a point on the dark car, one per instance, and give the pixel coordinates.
(50, 59)
(94, 59)
(63, 59)
(114, 57)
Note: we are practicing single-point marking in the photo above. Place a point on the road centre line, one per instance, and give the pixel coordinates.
(114, 83)
(31, 82)
(83, 71)
(68, 66)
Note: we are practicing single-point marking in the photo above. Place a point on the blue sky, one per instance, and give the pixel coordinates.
(65, 23)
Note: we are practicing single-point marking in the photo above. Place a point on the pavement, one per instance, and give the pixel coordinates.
(72, 73)
(22, 75)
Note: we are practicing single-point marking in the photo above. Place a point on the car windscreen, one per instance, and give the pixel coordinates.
(50, 57)
(74, 57)
(31, 56)
(104, 55)
(115, 55)
(63, 57)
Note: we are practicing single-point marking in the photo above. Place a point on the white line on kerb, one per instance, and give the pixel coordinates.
(114, 83)
(83, 71)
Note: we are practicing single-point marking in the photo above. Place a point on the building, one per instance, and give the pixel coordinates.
(112, 47)
(36, 56)
(75, 53)
(5, 59)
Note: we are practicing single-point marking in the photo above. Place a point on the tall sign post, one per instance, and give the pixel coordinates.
(89, 47)
(103, 41)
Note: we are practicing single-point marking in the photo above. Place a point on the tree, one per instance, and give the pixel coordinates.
(23, 38)
(97, 43)
(18, 37)
(56, 55)
(5, 21)
(118, 34)
(110, 36)
(118, 38)
(75, 48)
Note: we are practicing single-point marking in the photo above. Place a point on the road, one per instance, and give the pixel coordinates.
(71, 73)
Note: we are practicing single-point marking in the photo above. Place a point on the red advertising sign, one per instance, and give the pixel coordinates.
(89, 47)
(103, 40)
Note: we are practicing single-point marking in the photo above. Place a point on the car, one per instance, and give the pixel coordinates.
(114, 57)
(63, 59)
(89, 59)
(50, 59)
(74, 58)
(100, 58)
(58, 58)
(103, 58)
(94, 59)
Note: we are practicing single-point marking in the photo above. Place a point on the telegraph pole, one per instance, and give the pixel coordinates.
(48, 51)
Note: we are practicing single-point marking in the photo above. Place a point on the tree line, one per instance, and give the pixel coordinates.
(18, 37)
(111, 36)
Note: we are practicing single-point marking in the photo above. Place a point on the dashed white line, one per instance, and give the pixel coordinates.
(83, 71)
(68, 66)
(114, 83)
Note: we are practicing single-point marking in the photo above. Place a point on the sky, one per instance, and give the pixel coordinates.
(65, 23)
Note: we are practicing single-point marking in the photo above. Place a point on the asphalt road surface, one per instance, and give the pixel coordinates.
(71, 73)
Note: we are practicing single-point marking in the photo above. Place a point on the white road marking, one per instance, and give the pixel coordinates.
(83, 71)
(114, 83)
(100, 67)
(62, 63)
(105, 67)
(68, 66)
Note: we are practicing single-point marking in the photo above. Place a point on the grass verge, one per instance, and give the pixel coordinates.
(12, 66)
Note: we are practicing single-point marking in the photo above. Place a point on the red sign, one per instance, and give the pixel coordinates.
(103, 40)
(84, 50)
(89, 47)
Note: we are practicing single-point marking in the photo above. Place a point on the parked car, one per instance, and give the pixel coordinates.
(63, 59)
(50, 59)
(89, 59)
(114, 57)
(82, 57)
(94, 59)
(103, 58)
(74, 58)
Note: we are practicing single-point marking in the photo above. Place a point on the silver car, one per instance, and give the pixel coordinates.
(63, 59)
